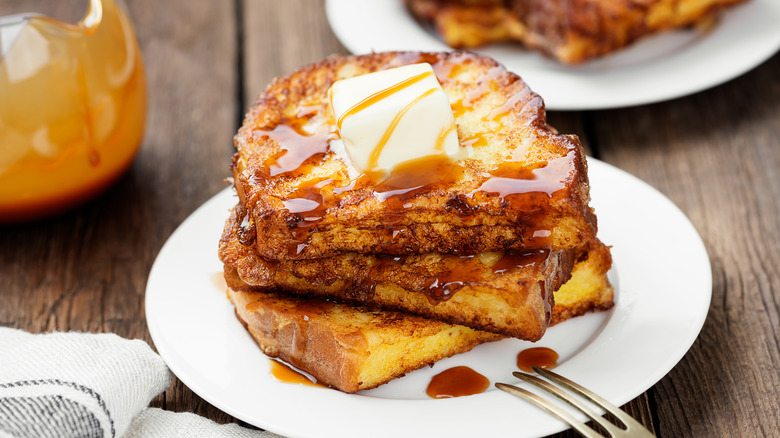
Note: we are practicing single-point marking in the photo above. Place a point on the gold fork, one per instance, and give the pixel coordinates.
(631, 429)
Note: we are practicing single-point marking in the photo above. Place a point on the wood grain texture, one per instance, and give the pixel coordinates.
(716, 154)
(279, 39)
(190, 49)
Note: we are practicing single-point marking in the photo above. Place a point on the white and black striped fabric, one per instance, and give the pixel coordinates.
(77, 385)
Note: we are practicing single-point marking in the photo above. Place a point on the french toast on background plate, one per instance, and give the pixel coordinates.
(571, 31)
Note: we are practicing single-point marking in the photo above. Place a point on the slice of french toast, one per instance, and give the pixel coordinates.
(522, 187)
(571, 31)
(351, 348)
(346, 347)
(509, 293)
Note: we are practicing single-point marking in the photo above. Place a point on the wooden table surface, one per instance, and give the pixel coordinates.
(716, 154)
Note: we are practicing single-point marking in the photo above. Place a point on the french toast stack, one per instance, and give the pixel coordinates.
(357, 280)
(571, 31)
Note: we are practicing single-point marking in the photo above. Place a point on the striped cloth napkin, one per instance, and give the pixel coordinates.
(91, 385)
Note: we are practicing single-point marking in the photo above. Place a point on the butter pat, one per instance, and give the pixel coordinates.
(393, 116)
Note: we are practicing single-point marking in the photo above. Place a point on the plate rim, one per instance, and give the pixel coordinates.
(154, 315)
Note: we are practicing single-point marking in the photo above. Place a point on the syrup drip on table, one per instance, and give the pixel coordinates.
(541, 357)
(457, 382)
(284, 373)
(72, 109)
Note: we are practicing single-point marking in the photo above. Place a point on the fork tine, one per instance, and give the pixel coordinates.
(633, 427)
(549, 407)
(554, 390)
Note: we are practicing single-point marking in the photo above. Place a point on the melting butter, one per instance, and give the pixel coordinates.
(393, 116)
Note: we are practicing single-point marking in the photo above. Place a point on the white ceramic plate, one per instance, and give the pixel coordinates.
(663, 288)
(656, 68)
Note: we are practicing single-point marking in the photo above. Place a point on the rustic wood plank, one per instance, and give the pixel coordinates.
(190, 49)
(279, 38)
(715, 154)
(86, 270)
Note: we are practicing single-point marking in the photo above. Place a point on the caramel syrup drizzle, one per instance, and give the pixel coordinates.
(382, 94)
(380, 146)
(541, 357)
(457, 382)
(453, 272)
(443, 137)
(285, 373)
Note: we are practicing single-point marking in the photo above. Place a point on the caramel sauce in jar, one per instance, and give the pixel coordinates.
(541, 357)
(457, 382)
(72, 109)
(510, 180)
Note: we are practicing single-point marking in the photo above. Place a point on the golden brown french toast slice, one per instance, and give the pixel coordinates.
(522, 187)
(571, 31)
(346, 347)
(352, 348)
(507, 293)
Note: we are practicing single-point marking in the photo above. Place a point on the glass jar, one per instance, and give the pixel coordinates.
(72, 108)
